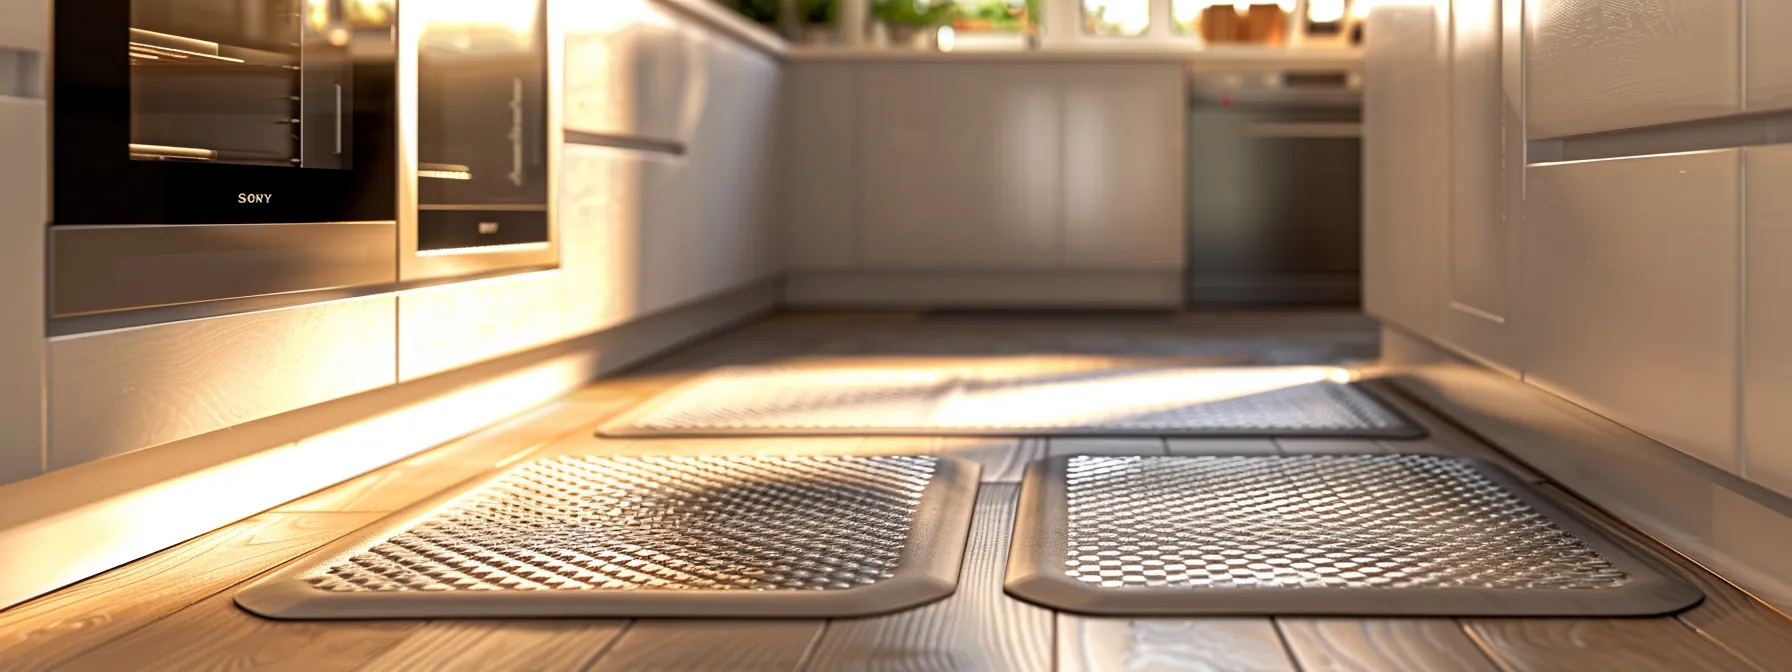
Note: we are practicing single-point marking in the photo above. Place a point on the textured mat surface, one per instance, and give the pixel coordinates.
(1222, 401)
(1333, 534)
(562, 536)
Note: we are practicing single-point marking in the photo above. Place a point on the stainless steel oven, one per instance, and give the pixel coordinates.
(219, 149)
(475, 185)
(1275, 187)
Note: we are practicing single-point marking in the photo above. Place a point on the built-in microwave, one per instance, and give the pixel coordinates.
(476, 120)
(220, 149)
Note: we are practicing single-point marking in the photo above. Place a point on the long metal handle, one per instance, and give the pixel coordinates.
(338, 118)
(516, 131)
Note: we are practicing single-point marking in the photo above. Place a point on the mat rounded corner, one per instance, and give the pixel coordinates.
(279, 598)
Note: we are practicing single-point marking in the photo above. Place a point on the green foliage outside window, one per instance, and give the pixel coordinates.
(919, 13)
(1010, 15)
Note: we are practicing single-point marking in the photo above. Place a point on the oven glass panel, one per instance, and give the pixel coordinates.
(257, 82)
(482, 105)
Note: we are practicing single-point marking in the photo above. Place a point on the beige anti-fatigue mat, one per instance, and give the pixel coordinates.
(1081, 398)
(645, 536)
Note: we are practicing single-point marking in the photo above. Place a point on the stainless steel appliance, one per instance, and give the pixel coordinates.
(476, 181)
(1275, 187)
(220, 149)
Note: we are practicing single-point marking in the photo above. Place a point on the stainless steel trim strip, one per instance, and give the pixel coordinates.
(639, 144)
(522, 207)
(100, 269)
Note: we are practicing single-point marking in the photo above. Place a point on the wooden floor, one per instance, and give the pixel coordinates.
(173, 611)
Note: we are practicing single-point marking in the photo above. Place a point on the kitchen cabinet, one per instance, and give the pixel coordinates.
(632, 69)
(1767, 370)
(1406, 166)
(1477, 252)
(818, 185)
(1486, 165)
(1124, 166)
(1632, 292)
(732, 173)
(1769, 57)
(1600, 66)
(642, 231)
(112, 392)
(704, 224)
(961, 167)
(23, 186)
(984, 168)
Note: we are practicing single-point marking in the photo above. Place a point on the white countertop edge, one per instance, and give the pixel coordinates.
(714, 15)
(1194, 55)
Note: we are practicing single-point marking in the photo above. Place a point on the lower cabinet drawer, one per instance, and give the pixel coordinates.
(1632, 293)
(113, 392)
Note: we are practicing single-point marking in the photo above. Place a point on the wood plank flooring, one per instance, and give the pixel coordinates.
(173, 611)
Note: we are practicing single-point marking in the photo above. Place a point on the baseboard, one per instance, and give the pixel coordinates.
(1738, 529)
(1219, 290)
(959, 289)
(71, 524)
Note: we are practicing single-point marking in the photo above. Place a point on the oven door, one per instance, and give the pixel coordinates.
(218, 149)
(223, 111)
(476, 175)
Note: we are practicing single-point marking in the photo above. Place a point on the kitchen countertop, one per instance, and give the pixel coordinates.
(764, 39)
(1194, 55)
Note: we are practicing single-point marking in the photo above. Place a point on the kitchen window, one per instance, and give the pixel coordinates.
(1116, 18)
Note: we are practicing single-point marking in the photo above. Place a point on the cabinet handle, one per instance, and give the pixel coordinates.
(338, 118)
(516, 131)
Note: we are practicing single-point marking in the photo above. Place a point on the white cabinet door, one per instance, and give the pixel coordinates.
(819, 215)
(1406, 171)
(1487, 155)
(1769, 55)
(961, 167)
(1477, 260)
(1596, 65)
(1124, 166)
(24, 126)
(731, 172)
(1767, 371)
(632, 70)
(1632, 293)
